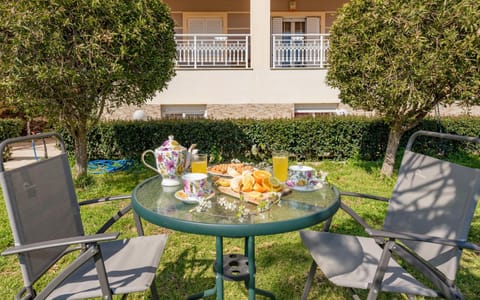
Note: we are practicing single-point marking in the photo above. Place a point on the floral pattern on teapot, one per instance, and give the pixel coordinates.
(171, 160)
(170, 164)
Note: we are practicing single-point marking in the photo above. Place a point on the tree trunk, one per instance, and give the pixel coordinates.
(392, 146)
(80, 140)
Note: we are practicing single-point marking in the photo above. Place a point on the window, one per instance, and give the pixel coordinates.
(316, 110)
(184, 111)
(296, 25)
(204, 23)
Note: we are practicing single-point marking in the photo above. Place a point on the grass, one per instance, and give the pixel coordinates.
(282, 260)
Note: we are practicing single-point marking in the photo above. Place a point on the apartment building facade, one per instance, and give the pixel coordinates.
(248, 59)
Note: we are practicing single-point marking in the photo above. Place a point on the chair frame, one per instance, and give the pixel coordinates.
(391, 244)
(87, 245)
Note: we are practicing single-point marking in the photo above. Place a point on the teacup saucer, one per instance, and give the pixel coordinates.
(180, 195)
(307, 188)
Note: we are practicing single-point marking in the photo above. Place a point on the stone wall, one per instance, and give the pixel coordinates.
(261, 111)
(250, 111)
(152, 111)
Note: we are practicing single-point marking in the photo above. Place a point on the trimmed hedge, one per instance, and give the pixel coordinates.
(329, 137)
(10, 128)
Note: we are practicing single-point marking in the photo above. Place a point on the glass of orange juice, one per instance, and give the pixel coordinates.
(199, 163)
(280, 165)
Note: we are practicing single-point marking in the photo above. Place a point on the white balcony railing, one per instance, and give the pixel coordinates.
(213, 50)
(299, 50)
(233, 50)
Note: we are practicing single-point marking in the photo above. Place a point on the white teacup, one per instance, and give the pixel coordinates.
(301, 176)
(195, 185)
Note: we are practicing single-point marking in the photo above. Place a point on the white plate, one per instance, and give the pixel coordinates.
(212, 173)
(218, 174)
(307, 188)
(180, 195)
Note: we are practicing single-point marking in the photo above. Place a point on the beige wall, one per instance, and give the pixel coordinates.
(259, 92)
(273, 93)
(247, 86)
(260, 84)
(208, 5)
(244, 5)
(306, 5)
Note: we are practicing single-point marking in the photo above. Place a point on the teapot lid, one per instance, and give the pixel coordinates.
(171, 145)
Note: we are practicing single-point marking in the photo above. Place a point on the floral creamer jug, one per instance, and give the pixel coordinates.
(171, 160)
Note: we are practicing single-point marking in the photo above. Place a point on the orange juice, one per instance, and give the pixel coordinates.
(280, 167)
(199, 163)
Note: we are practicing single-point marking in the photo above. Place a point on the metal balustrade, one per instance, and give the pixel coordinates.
(196, 51)
(213, 51)
(299, 50)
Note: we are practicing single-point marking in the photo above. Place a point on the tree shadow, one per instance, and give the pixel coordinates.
(185, 275)
(435, 198)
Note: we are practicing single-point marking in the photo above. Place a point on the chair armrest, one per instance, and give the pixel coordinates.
(353, 214)
(120, 213)
(61, 242)
(366, 196)
(103, 199)
(431, 273)
(423, 238)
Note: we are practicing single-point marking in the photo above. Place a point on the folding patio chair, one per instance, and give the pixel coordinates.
(426, 226)
(44, 216)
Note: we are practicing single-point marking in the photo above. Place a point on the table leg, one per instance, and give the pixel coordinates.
(250, 242)
(219, 274)
(250, 253)
(201, 295)
(218, 288)
(250, 283)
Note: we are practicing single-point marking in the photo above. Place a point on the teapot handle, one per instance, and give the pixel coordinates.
(191, 151)
(145, 163)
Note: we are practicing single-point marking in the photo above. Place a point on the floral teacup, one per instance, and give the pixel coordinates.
(301, 176)
(195, 186)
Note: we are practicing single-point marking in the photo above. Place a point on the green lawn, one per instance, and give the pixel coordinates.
(282, 261)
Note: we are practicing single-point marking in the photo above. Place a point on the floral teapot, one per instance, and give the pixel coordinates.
(171, 159)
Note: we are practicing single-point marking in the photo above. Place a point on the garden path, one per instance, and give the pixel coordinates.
(27, 153)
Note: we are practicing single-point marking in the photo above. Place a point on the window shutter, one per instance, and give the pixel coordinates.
(214, 26)
(205, 25)
(277, 25)
(196, 26)
(313, 25)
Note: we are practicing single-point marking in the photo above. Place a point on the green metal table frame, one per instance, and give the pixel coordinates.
(250, 283)
(247, 231)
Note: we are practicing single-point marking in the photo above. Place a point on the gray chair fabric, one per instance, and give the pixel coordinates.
(130, 264)
(353, 261)
(426, 224)
(44, 215)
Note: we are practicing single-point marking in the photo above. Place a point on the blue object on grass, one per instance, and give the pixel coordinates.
(102, 166)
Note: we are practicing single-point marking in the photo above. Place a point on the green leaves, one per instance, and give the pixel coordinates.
(397, 56)
(401, 58)
(74, 58)
(80, 50)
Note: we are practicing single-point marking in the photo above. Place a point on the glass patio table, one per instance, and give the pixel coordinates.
(220, 217)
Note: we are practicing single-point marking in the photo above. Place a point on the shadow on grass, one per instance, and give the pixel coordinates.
(185, 275)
